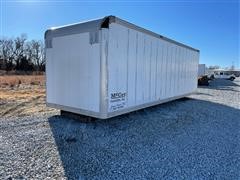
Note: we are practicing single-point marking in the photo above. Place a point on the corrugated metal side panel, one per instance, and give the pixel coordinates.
(144, 69)
(161, 70)
(153, 62)
(73, 71)
(140, 73)
(196, 62)
(132, 67)
(117, 67)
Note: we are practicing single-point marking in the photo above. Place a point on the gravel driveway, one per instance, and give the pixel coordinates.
(193, 138)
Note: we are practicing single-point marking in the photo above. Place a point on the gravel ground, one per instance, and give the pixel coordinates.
(193, 138)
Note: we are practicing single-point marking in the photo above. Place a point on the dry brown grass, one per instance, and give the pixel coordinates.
(15, 80)
(22, 95)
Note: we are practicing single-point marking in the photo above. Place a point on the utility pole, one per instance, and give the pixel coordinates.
(232, 67)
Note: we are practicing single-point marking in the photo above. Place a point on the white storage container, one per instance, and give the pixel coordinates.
(107, 67)
(201, 70)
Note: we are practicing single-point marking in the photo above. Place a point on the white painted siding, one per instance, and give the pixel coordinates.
(146, 68)
(73, 72)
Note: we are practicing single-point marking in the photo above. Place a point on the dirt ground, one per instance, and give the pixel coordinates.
(22, 96)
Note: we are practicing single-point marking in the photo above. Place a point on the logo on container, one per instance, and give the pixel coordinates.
(118, 95)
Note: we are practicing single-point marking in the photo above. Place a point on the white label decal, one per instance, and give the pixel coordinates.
(117, 101)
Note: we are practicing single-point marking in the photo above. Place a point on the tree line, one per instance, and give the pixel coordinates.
(21, 54)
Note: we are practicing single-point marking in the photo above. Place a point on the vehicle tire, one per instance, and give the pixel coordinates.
(232, 78)
(212, 77)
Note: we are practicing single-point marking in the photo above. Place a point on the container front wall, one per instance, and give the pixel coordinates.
(144, 69)
(73, 72)
(201, 70)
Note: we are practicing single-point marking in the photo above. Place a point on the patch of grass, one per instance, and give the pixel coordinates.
(16, 80)
(22, 95)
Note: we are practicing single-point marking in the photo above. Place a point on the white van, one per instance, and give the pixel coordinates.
(223, 74)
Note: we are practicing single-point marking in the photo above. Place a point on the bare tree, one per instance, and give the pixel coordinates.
(7, 53)
(42, 56)
(232, 67)
(20, 54)
(28, 50)
(214, 67)
(37, 54)
(19, 50)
